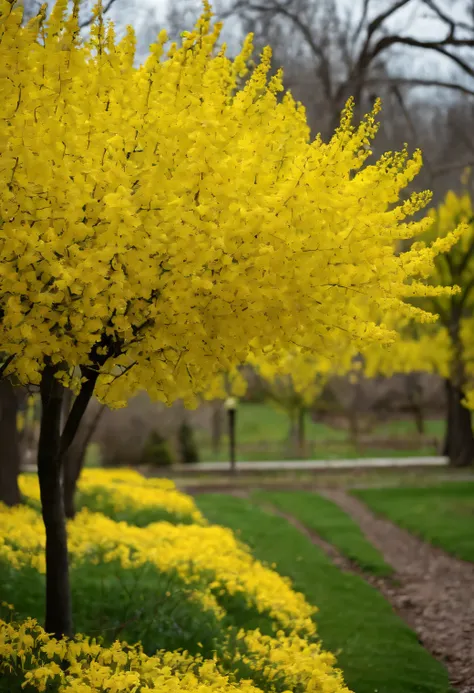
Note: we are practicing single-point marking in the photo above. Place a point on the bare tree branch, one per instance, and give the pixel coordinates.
(412, 82)
(281, 9)
(360, 24)
(452, 24)
(88, 22)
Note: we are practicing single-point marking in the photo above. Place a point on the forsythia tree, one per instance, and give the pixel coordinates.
(455, 316)
(444, 347)
(421, 348)
(293, 380)
(158, 223)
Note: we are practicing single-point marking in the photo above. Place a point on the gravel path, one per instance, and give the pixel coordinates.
(433, 592)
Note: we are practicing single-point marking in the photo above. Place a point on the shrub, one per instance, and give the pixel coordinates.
(157, 452)
(187, 448)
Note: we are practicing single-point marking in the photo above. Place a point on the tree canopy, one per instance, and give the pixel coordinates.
(161, 222)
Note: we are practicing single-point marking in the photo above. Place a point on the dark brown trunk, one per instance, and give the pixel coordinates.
(68, 399)
(461, 439)
(73, 462)
(415, 399)
(448, 430)
(9, 445)
(459, 443)
(58, 619)
(72, 466)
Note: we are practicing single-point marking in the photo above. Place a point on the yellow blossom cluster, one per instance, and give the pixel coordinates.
(425, 351)
(300, 374)
(82, 665)
(123, 490)
(445, 346)
(290, 658)
(208, 558)
(133, 490)
(213, 564)
(162, 222)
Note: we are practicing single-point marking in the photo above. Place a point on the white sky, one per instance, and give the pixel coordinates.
(413, 20)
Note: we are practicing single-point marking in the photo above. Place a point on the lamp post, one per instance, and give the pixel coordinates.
(231, 407)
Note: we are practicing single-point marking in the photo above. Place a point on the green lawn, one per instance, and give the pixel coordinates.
(262, 433)
(441, 514)
(376, 650)
(331, 523)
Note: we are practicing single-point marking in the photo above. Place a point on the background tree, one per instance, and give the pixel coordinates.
(456, 267)
(292, 381)
(9, 444)
(187, 448)
(352, 50)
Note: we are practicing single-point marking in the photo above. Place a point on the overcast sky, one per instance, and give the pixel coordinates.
(413, 20)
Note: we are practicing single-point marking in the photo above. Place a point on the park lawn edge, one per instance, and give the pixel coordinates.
(375, 649)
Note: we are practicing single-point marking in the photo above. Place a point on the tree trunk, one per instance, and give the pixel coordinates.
(301, 433)
(419, 420)
(73, 462)
(72, 466)
(232, 413)
(448, 431)
(9, 445)
(415, 399)
(459, 444)
(58, 596)
(216, 426)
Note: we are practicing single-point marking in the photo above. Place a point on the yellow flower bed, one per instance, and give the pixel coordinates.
(193, 551)
(83, 666)
(210, 561)
(126, 489)
(26, 649)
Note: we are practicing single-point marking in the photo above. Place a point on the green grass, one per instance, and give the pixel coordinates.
(442, 515)
(110, 602)
(262, 433)
(332, 524)
(376, 650)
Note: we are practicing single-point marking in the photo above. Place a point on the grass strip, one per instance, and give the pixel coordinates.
(442, 514)
(332, 524)
(377, 652)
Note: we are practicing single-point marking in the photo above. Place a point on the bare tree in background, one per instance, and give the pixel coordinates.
(352, 53)
(32, 7)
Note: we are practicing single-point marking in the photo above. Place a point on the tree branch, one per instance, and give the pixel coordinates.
(5, 364)
(361, 22)
(452, 24)
(89, 21)
(316, 48)
(414, 82)
(78, 408)
(437, 46)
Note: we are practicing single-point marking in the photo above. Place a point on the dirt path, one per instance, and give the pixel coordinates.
(434, 592)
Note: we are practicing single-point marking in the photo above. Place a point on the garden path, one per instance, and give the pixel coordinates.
(432, 591)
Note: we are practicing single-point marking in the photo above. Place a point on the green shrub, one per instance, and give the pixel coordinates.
(157, 452)
(187, 448)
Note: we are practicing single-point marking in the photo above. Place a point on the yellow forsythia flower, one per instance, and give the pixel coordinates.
(170, 218)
